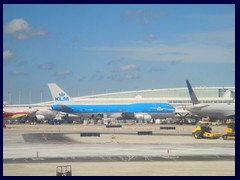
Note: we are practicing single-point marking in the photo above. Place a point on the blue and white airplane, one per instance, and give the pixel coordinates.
(140, 111)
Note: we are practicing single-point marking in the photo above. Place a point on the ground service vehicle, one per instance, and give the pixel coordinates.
(230, 131)
(55, 122)
(204, 131)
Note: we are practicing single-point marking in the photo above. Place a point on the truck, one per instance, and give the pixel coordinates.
(230, 131)
(203, 130)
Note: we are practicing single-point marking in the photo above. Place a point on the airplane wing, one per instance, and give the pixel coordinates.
(64, 108)
(199, 107)
(231, 116)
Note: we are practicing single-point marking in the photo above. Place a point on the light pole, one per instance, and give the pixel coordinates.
(30, 97)
(19, 97)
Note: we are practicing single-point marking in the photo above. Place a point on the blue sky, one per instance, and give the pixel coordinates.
(91, 49)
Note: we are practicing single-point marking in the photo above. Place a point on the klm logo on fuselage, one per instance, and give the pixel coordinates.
(61, 97)
(159, 109)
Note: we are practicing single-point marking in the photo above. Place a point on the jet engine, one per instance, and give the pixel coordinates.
(40, 117)
(142, 116)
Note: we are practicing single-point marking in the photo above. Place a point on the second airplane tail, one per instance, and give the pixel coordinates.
(58, 95)
(192, 94)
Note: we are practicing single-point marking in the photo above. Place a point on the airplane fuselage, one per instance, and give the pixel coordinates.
(13, 112)
(13, 115)
(156, 110)
(214, 111)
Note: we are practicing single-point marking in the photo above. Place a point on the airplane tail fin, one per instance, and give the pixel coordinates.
(192, 94)
(59, 96)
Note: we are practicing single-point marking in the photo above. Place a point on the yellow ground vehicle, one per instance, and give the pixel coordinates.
(204, 131)
(230, 131)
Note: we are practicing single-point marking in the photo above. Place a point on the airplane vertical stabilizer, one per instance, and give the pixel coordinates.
(192, 94)
(59, 96)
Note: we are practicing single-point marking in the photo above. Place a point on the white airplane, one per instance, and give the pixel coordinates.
(213, 110)
(36, 113)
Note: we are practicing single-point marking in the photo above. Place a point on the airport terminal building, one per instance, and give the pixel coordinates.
(174, 96)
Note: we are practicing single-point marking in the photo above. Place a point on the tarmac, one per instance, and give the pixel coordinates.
(36, 150)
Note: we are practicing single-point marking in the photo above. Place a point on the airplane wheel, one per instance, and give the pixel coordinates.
(224, 137)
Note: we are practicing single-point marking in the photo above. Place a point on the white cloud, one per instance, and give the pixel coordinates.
(7, 54)
(123, 76)
(226, 37)
(156, 69)
(62, 74)
(143, 15)
(46, 66)
(17, 25)
(131, 76)
(22, 36)
(39, 32)
(129, 67)
(150, 38)
(17, 73)
(20, 29)
(212, 47)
